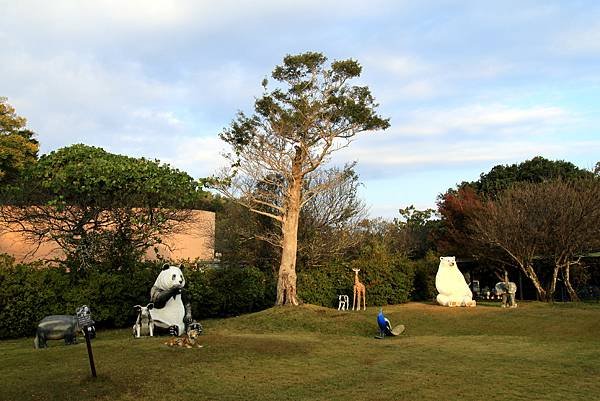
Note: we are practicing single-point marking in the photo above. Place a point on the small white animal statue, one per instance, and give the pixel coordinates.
(144, 325)
(343, 302)
(451, 285)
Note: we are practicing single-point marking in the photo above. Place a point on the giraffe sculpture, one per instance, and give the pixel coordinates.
(359, 292)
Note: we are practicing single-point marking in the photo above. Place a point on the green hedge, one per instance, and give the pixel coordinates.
(30, 292)
(424, 278)
(387, 281)
(322, 285)
(229, 291)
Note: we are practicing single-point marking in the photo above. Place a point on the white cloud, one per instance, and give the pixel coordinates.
(583, 41)
(199, 156)
(389, 161)
(106, 20)
(494, 133)
(400, 66)
(488, 119)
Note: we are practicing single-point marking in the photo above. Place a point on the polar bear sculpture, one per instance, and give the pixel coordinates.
(451, 285)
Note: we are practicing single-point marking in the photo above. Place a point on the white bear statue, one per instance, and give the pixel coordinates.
(451, 285)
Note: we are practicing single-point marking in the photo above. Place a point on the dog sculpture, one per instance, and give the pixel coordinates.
(188, 340)
(343, 302)
(144, 325)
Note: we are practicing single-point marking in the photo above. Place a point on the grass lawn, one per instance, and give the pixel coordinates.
(534, 352)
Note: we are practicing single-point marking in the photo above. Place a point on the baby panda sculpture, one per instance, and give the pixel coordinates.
(451, 285)
(169, 312)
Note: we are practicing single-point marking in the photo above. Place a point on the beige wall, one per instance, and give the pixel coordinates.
(194, 241)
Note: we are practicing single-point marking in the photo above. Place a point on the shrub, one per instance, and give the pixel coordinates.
(424, 278)
(229, 291)
(322, 285)
(30, 292)
(388, 280)
(27, 294)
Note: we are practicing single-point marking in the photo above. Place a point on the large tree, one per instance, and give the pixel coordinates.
(18, 148)
(312, 112)
(97, 206)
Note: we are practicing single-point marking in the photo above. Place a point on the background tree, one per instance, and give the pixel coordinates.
(311, 113)
(329, 221)
(456, 205)
(572, 212)
(455, 208)
(413, 231)
(538, 169)
(505, 224)
(18, 148)
(238, 234)
(536, 223)
(97, 206)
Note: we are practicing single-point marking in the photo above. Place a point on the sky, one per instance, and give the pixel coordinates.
(467, 85)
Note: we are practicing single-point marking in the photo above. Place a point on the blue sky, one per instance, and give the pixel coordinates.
(467, 84)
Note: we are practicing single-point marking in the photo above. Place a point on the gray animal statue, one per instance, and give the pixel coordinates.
(144, 325)
(57, 327)
(508, 290)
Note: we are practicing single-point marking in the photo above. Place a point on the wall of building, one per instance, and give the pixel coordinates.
(195, 240)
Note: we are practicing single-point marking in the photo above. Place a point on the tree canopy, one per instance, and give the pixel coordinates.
(457, 204)
(97, 205)
(537, 169)
(543, 228)
(18, 148)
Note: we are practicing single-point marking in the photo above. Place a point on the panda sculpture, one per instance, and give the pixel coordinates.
(170, 313)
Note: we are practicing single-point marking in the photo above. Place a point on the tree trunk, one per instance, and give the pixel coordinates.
(530, 273)
(552, 288)
(286, 280)
(567, 278)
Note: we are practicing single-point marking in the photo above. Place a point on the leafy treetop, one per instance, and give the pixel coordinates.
(88, 176)
(311, 107)
(18, 148)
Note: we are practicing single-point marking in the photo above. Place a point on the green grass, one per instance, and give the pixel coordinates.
(537, 352)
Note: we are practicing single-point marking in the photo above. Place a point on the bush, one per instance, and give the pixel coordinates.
(27, 294)
(30, 292)
(322, 285)
(424, 279)
(387, 281)
(229, 291)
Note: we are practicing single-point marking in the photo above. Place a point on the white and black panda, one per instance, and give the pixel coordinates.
(167, 295)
